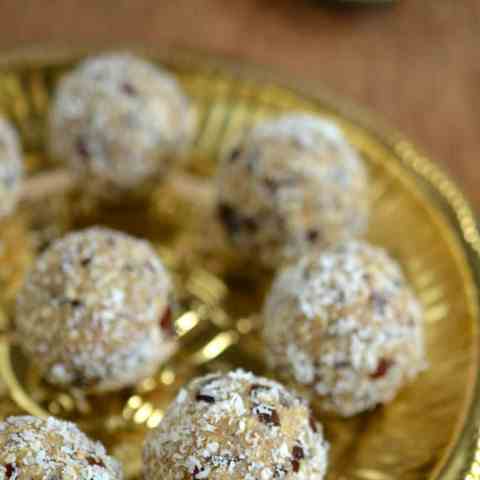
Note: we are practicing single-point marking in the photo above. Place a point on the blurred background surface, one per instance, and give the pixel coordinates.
(416, 62)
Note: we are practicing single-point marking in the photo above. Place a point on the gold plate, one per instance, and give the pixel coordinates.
(429, 431)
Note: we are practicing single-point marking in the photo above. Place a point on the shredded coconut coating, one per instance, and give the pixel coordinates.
(236, 426)
(35, 449)
(345, 324)
(94, 312)
(10, 168)
(294, 183)
(118, 121)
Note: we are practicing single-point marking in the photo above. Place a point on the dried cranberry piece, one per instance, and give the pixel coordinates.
(129, 89)
(313, 235)
(85, 262)
(297, 452)
(195, 472)
(295, 466)
(235, 153)
(166, 322)
(230, 219)
(383, 367)
(75, 303)
(267, 415)
(95, 462)
(9, 469)
(257, 386)
(313, 423)
(200, 397)
(82, 147)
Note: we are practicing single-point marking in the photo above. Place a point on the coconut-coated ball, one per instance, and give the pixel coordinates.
(346, 325)
(94, 312)
(118, 121)
(10, 168)
(294, 183)
(236, 426)
(36, 449)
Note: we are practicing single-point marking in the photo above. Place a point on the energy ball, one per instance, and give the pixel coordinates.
(118, 121)
(293, 184)
(236, 426)
(10, 168)
(346, 325)
(36, 449)
(94, 312)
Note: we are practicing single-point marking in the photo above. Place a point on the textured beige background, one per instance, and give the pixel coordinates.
(417, 62)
